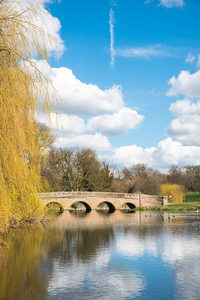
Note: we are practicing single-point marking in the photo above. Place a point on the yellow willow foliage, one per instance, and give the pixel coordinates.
(22, 89)
(174, 192)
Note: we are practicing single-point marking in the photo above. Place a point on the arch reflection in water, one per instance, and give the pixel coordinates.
(105, 212)
(79, 213)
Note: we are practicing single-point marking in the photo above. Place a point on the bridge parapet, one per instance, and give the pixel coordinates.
(88, 195)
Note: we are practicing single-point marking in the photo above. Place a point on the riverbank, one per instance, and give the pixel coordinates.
(191, 206)
(50, 213)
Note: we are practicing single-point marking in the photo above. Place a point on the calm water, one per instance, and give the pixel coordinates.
(104, 256)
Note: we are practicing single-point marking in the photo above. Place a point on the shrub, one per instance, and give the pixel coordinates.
(175, 192)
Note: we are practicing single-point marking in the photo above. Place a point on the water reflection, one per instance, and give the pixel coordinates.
(104, 256)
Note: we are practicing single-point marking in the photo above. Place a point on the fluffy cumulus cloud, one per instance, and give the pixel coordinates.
(46, 26)
(184, 107)
(73, 132)
(111, 125)
(185, 84)
(95, 141)
(89, 115)
(183, 146)
(117, 123)
(168, 152)
(186, 127)
(94, 132)
(96, 114)
(131, 155)
(52, 26)
(82, 98)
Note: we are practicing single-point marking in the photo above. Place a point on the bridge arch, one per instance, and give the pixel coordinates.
(128, 205)
(105, 205)
(53, 204)
(80, 205)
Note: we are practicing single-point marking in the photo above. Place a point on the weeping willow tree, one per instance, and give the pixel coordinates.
(23, 91)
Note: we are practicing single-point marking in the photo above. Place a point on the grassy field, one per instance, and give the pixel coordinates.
(192, 197)
(190, 206)
(191, 203)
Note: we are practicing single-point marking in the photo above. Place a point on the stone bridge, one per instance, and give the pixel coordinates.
(100, 200)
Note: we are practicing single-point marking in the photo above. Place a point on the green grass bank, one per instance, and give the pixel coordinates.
(192, 197)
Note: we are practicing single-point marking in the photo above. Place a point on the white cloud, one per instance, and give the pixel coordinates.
(185, 84)
(48, 33)
(190, 58)
(73, 132)
(108, 116)
(143, 52)
(76, 132)
(168, 3)
(117, 123)
(107, 113)
(69, 124)
(113, 2)
(185, 107)
(131, 155)
(85, 99)
(95, 141)
(186, 127)
(172, 3)
(146, 52)
(170, 152)
(81, 98)
(167, 153)
(52, 27)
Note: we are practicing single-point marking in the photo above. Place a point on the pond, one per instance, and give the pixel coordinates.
(142, 255)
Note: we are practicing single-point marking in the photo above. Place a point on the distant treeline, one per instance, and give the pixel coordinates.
(142, 179)
(82, 170)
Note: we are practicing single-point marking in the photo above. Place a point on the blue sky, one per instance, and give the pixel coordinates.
(128, 74)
